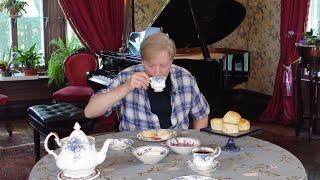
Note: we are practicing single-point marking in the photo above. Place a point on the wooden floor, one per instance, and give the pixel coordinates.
(284, 136)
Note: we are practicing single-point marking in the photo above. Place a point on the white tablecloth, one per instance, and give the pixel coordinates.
(257, 159)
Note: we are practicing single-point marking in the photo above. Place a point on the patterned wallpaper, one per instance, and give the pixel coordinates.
(258, 33)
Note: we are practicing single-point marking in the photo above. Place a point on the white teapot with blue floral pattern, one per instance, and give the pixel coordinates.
(78, 156)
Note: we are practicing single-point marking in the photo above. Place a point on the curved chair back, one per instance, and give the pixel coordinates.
(76, 67)
(3, 99)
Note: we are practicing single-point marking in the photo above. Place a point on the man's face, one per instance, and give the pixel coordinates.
(158, 65)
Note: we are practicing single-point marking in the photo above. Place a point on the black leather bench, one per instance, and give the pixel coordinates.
(59, 118)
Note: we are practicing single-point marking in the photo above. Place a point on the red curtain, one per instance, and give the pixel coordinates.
(97, 23)
(281, 106)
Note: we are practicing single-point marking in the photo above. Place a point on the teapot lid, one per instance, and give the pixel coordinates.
(78, 134)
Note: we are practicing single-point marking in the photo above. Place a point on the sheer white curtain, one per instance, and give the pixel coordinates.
(314, 16)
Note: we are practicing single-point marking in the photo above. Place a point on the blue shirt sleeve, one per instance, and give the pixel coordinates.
(199, 105)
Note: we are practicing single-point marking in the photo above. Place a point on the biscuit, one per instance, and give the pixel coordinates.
(230, 128)
(149, 133)
(163, 133)
(231, 117)
(216, 124)
(244, 125)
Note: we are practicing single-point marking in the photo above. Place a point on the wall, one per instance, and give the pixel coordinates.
(258, 33)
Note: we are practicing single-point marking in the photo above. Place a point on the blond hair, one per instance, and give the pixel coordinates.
(156, 43)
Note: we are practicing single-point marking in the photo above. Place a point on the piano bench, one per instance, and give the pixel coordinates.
(59, 118)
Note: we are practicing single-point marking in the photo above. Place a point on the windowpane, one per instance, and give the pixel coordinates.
(30, 27)
(314, 15)
(4, 33)
(72, 37)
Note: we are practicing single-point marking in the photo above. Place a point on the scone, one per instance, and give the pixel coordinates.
(230, 128)
(231, 117)
(244, 125)
(149, 133)
(163, 134)
(216, 124)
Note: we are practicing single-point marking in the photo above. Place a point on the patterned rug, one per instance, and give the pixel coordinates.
(17, 162)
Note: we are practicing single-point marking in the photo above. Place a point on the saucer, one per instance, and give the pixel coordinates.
(192, 177)
(194, 168)
(92, 176)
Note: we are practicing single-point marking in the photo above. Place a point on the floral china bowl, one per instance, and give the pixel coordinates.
(120, 144)
(182, 145)
(150, 154)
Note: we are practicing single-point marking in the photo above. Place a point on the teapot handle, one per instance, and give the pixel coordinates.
(56, 138)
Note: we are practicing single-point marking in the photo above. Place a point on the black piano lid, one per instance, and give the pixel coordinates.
(216, 18)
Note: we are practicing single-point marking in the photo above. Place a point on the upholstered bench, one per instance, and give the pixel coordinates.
(59, 118)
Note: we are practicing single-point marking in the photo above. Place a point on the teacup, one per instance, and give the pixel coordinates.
(203, 157)
(120, 144)
(158, 83)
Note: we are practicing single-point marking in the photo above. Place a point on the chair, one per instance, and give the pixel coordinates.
(4, 102)
(76, 67)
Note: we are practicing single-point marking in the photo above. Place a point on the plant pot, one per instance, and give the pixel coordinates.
(309, 53)
(14, 13)
(6, 73)
(30, 72)
(2, 67)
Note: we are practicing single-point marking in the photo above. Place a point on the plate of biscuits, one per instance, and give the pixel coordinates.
(231, 125)
(156, 135)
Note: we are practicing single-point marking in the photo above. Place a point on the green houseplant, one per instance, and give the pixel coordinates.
(29, 59)
(13, 7)
(6, 61)
(55, 65)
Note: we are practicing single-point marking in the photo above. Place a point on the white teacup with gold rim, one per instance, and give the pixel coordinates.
(204, 157)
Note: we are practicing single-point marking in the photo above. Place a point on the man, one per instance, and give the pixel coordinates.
(140, 106)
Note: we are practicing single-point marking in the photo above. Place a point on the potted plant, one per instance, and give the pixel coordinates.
(29, 59)
(14, 7)
(309, 45)
(6, 62)
(55, 67)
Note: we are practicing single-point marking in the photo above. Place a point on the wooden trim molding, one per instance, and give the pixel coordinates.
(55, 27)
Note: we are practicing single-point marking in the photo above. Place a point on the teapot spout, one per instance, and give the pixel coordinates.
(103, 152)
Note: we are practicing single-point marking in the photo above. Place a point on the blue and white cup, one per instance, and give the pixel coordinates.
(204, 157)
(158, 83)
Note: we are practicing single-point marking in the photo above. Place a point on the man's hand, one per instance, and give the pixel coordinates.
(200, 123)
(138, 80)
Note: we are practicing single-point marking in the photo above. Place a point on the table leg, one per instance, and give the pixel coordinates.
(36, 139)
(299, 98)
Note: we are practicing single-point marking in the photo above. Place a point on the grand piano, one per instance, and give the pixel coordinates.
(193, 24)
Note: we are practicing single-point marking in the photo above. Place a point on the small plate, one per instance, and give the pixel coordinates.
(208, 171)
(157, 138)
(92, 176)
(193, 177)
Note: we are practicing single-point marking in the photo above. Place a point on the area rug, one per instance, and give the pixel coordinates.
(16, 168)
(17, 162)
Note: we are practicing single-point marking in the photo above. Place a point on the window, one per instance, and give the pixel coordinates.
(25, 30)
(72, 37)
(30, 27)
(314, 16)
(5, 33)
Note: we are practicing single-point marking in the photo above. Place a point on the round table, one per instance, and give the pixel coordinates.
(257, 159)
